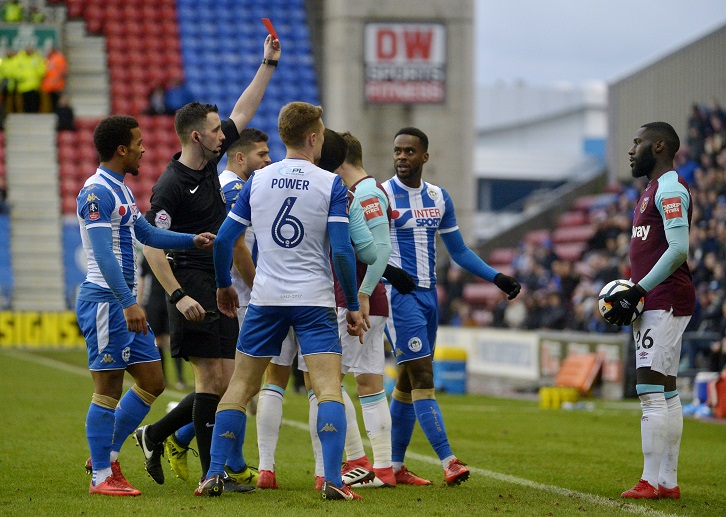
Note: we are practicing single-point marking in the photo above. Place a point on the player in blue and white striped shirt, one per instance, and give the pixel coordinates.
(113, 325)
(420, 210)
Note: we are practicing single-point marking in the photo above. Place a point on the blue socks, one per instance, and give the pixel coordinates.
(235, 459)
(403, 419)
(332, 426)
(100, 423)
(130, 412)
(229, 425)
(185, 435)
(431, 421)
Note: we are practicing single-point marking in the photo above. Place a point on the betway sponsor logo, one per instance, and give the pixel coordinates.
(641, 232)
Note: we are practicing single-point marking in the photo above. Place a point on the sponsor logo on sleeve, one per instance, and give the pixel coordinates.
(93, 213)
(672, 208)
(162, 220)
(92, 197)
(372, 208)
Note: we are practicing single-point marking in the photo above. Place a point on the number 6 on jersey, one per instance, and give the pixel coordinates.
(283, 219)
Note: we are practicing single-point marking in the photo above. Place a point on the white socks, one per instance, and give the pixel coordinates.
(653, 434)
(377, 420)
(313, 425)
(99, 476)
(353, 443)
(674, 429)
(269, 420)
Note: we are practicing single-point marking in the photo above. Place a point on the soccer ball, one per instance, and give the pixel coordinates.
(614, 287)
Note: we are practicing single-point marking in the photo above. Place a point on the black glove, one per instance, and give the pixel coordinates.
(399, 279)
(623, 304)
(507, 284)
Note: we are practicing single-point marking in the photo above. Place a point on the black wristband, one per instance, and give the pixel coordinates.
(271, 62)
(177, 295)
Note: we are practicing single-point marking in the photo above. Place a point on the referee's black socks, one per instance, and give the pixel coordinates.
(175, 419)
(205, 408)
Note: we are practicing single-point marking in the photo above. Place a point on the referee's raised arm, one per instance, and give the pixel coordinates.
(247, 104)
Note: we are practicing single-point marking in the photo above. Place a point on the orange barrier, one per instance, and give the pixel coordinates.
(579, 371)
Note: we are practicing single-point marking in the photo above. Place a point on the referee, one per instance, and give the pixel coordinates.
(188, 195)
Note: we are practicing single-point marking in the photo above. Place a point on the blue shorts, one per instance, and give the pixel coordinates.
(266, 326)
(412, 324)
(110, 344)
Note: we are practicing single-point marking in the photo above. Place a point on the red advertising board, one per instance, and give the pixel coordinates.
(405, 63)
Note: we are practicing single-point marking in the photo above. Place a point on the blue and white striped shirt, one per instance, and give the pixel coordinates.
(418, 214)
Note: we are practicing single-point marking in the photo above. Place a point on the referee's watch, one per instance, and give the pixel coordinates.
(271, 62)
(177, 295)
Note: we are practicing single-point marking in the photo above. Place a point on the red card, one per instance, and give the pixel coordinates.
(270, 28)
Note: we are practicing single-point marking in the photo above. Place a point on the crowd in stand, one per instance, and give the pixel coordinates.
(15, 11)
(562, 295)
(32, 82)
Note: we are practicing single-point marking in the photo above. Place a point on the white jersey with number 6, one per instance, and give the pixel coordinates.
(289, 204)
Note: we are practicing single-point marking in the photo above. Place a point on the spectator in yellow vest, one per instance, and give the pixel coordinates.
(36, 15)
(8, 80)
(29, 73)
(13, 11)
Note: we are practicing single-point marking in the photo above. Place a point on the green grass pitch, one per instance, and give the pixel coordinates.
(525, 460)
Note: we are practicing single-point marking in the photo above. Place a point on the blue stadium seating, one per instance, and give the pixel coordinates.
(222, 43)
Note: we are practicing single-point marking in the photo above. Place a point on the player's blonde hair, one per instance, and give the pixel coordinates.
(296, 121)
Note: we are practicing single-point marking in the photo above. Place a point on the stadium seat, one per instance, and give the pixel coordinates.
(506, 269)
(75, 8)
(570, 251)
(502, 256)
(68, 205)
(94, 19)
(572, 218)
(114, 29)
(536, 237)
(565, 234)
(486, 294)
(86, 123)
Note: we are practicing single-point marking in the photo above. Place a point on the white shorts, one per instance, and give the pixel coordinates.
(290, 347)
(241, 311)
(658, 336)
(368, 357)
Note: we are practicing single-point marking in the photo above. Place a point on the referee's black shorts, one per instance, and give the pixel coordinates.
(157, 313)
(215, 336)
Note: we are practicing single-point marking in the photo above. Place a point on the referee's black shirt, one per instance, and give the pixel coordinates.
(191, 201)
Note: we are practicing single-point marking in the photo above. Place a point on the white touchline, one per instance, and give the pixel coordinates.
(615, 504)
